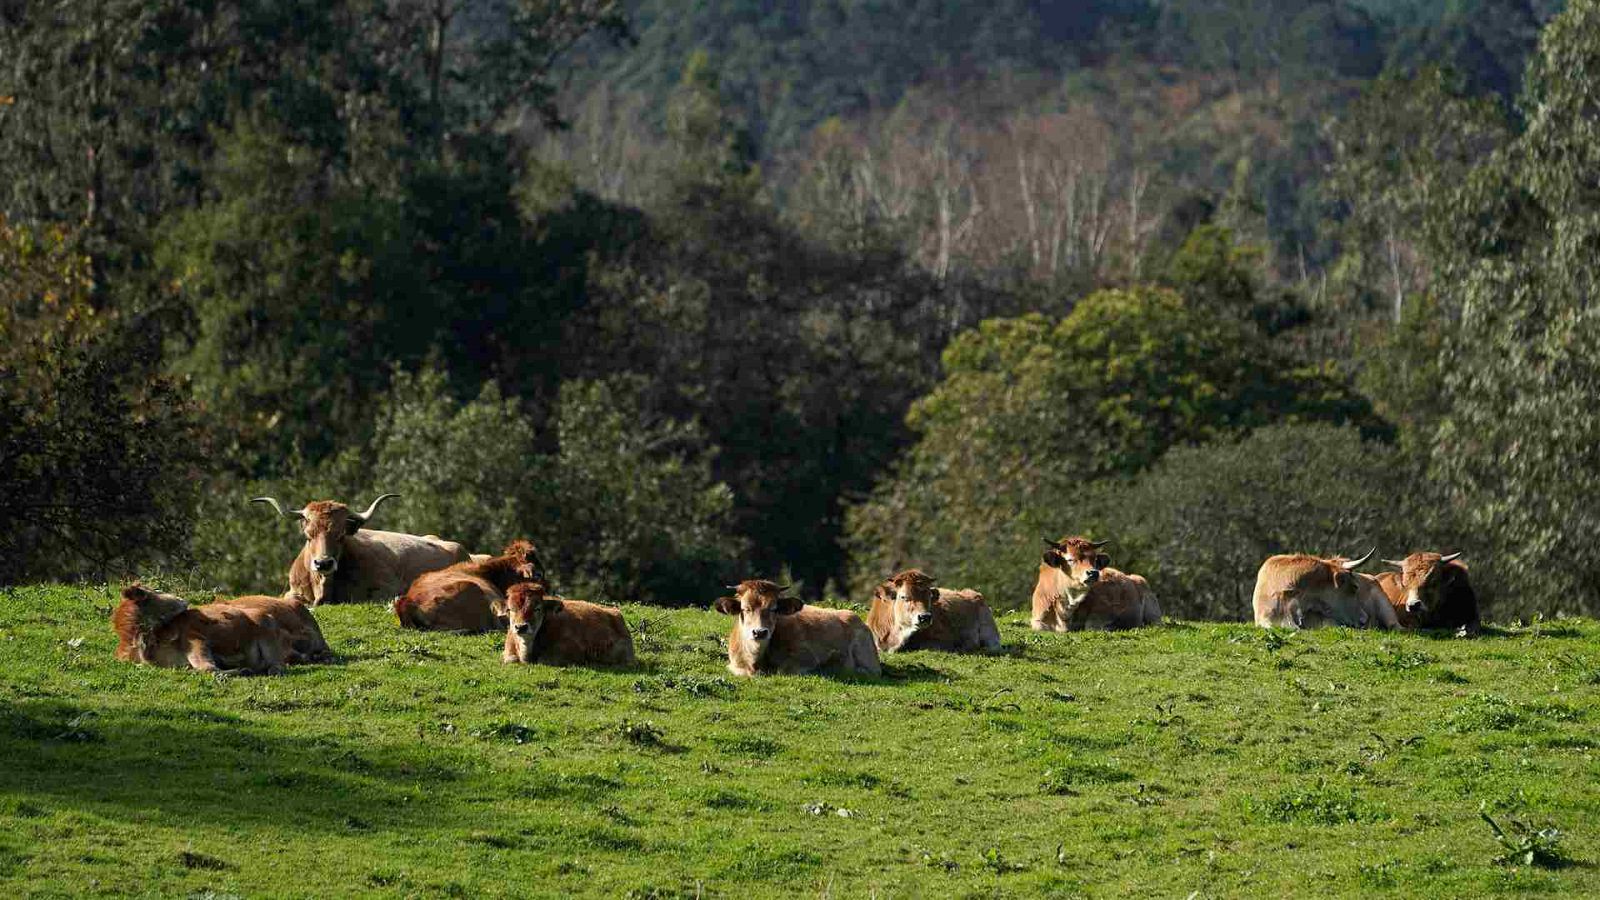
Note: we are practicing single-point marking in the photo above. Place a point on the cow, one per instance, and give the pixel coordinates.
(1297, 590)
(774, 634)
(468, 596)
(1432, 591)
(162, 630)
(1078, 589)
(342, 562)
(560, 632)
(910, 613)
(293, 618)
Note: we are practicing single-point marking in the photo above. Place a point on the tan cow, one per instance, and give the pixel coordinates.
(469, 596)
(342, 562)
(560, 632)
(778, 635)
(162, 630)
(910, 613)
(1077, 589)
(1297, 590)
(293, 618)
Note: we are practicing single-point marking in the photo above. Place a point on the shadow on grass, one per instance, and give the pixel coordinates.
(184, 764)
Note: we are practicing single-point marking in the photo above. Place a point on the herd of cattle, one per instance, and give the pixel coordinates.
(437, 585)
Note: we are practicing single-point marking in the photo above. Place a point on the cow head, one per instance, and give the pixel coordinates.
(326, 524)
(911, 596)
(527, 559)
(758, 604)
(151, 609)
(526, 607)
(1426, 579)
(1078, 558)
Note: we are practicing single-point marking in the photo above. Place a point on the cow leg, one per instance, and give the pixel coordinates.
(199, 656)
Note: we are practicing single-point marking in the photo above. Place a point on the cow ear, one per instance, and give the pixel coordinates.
(550, 605)
(788, 606)
(881, 592)
(728, 606)
(1102, 561)
(1052, 558)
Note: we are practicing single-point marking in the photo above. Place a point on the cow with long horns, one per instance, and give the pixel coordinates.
(775, 634)
(1297, 590)
(343, 562)
(1431, 590)
(1077, 589)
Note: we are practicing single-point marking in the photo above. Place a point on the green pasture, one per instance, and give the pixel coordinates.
(1192, 760)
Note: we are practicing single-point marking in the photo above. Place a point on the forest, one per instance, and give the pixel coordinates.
(816, 289)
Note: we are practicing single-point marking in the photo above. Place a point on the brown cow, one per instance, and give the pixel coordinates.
(1296, 590)
(293, 618)
(1432, 591)
(774, 634)
(560, 632)
(468, 596)
(1078, 589)
(162, 630)
(342, 562)
(910, 613)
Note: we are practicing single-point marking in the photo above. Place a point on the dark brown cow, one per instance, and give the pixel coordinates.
(1432, 591)
(468, 596)
(559, 632)
(1078, 589)
(343, 562)
(162, 630)
(910, 613)
(777, 635)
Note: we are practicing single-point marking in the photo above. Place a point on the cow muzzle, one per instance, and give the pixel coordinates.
(760, 634)
(923, 619)
(1091, 576)
(524, 628)
(324, 565)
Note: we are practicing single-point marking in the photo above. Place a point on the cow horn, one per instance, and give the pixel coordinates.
(361, 518)
(1397, 563)
(1098, 544)
(1452, 557)
(1051, 544)
(731, 587)
(286, 513)
(1353, 563)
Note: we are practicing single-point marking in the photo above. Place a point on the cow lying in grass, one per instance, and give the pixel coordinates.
(1078, 589)
(468, 596)
(775, 634)
(293, 618)
(162, 630)
(559, 632)
(910, 613)
(1296, 590)
(1432, 591)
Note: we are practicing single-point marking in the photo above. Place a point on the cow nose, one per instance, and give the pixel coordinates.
(1091, 576)
(524, 628)
(760, 634)
(324, 563)
(924, 618)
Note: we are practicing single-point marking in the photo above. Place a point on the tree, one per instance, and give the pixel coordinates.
(1031, 414)
(98, 457)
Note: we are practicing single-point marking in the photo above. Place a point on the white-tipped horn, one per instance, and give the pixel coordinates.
(1353, 563)
(361, 518)
(1452, 557)
(286, 513)
(1397, 563)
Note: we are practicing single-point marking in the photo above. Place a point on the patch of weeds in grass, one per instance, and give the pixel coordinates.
(515, 732)
(495, 841)
(1384, 874)
(1061, 778)
(698, 686)
(1400, 659)
(585, 788)
(748, 745)
(940, 860)
(994, 861)
(837, 778)
(1585, 671)
(824, 808)
(1448, 676)
(1485, 712)
(650, 634)
(1147, 795)
(193, 860)
(641, 734)
(1322, 805)
(1524, 845)
(657, 892)
(725, 799)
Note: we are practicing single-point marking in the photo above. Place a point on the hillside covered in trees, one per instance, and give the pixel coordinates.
(687, 292)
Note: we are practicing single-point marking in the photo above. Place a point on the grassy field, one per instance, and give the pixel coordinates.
(1187, 761)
